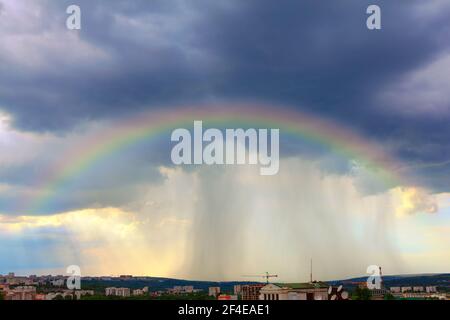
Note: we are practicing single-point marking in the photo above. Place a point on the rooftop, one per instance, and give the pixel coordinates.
(307, 285)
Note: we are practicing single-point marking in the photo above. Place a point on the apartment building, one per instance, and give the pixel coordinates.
(120, 292)
(251, 291)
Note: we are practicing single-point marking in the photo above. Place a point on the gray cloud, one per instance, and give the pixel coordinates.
(131, 56)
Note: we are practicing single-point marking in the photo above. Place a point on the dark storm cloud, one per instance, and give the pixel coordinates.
(315, 55)
(117, 181)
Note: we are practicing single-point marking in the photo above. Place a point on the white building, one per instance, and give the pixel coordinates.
(214, 291)
(120, 292)
(418, 289)
(123, 292)
(294, 291)
(110, 291)
(406, 289)
(431, 289)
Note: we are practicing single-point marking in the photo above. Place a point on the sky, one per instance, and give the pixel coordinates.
(68, 196)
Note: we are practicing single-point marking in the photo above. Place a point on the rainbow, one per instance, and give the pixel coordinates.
(93, 150)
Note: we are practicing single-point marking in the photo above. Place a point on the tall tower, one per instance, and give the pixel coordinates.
(381, 279)
(311, 273)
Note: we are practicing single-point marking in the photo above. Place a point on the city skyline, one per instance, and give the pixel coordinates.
(127, 287)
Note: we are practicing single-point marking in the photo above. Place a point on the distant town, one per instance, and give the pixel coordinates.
(128, 287)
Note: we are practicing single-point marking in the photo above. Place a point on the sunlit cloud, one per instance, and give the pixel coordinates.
(415, 200)
(102, 241)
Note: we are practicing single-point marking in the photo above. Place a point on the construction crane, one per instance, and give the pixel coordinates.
(267, 276)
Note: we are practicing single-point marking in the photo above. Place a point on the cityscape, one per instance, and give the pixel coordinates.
(128, 287)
